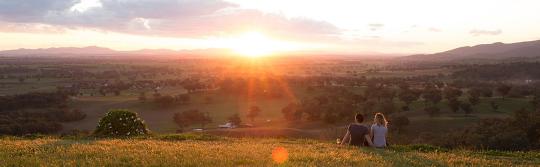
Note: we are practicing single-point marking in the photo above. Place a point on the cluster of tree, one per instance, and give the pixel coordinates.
(503, 71)
(520, 132)
(254, 87)
(191, 117)
(44, 122)
(168, 100)
(32, 100)
(35, 113)
(340, 104)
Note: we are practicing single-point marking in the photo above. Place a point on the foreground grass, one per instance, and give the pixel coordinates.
(213, 151)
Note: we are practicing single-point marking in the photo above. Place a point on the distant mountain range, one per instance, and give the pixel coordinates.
(497, 50)
(101, 51)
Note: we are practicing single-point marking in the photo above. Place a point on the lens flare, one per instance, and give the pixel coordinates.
(280, 155)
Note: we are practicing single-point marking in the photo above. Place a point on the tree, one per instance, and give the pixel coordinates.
(330, 118)
(432, 110)
(535, 102)
(386, 107)
(183, 98)
(312, 109)
(403, 86)
(432, 95)
(452, 93)
(164, 101)
(121, 123)
(235, 119)
(466, 107)
(494, 106)
(486, 92)
(191, 117)
(503, 90)
(454, 105)
(142, 96)
(292, 112)
(474, 100)
(408, 96)
(399, 122)
(253, 112)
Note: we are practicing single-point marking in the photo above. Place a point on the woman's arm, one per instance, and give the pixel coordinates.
(346, 139)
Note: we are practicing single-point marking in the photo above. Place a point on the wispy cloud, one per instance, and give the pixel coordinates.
(375, 26)
(478, 32)
(171, 18)
(433, 29)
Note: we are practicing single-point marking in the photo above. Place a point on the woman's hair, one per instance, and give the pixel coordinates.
(380, 119)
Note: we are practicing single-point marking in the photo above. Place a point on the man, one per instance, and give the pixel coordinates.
(357, 134)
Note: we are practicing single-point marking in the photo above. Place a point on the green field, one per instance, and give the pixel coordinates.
(195, 150)
(159, 119)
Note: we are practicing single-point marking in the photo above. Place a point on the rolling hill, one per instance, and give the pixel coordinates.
(496, 51)
(102, 51)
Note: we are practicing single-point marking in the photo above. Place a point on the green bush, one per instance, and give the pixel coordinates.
(121, 123)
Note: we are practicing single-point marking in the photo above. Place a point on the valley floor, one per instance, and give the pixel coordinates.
(174, 150)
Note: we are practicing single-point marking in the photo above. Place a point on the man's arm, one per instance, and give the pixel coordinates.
(368, 139)
(346, 139)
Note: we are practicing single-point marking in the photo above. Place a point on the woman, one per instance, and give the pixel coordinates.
(378, 131)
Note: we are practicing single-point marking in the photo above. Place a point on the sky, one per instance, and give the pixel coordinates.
(329, 26)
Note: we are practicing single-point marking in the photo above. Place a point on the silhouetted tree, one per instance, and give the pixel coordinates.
(473, 100)
(432, 110)
(452, 93)
(164, 101)
(503, 90)
(466, 107)
(494, 106)
(432, 95)
(454, 105)
(292, 112)
(191, 117)
(408, 96)
(253, 112)
(399, 122)
(235, 119)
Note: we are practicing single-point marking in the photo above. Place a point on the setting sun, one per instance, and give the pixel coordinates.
(253, 44)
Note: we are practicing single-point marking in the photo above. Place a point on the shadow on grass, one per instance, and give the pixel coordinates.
(407, 155)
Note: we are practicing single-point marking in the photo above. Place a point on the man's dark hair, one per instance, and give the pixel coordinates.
(359, 118)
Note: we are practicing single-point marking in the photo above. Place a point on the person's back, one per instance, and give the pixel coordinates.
(379, 135)
(357, 133)
(379, 131)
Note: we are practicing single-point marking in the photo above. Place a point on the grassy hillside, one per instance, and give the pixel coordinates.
(185, 150)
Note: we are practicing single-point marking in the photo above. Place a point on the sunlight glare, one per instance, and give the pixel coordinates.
(254, 44)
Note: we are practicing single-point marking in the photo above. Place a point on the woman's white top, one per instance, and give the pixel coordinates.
(379, 135)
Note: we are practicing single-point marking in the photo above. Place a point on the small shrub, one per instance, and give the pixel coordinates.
(121, 123)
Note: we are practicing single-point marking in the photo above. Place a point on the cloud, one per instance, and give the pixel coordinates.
(375, 26)
(478, 32)
(171, 18)
(32, 10)
(433, 29)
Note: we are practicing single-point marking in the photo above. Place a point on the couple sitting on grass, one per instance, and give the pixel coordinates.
(360, 135)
